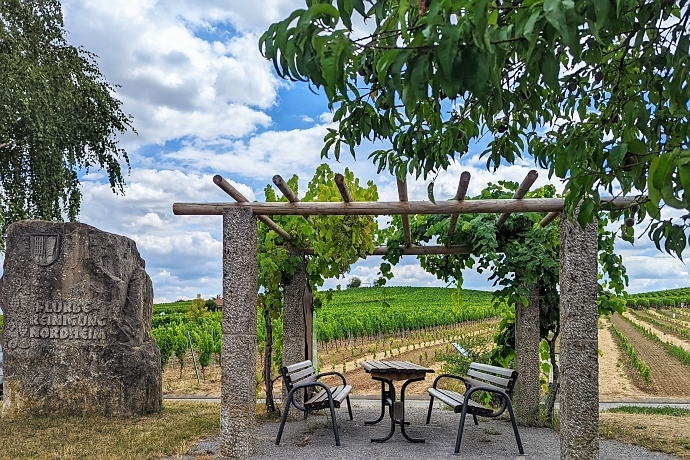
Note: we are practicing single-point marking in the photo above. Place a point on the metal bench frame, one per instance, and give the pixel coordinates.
(480, 377)
(303, 376)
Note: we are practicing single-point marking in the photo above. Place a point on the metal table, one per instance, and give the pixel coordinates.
(387, 372)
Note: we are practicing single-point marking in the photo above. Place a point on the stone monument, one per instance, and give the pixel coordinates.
(77, 337)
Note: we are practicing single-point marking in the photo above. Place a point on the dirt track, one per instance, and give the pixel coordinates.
(668, 376)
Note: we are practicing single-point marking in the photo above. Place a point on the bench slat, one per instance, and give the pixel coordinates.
(479, 383)
(456, 400)
(339, 394)
(498, 381)
(493, 369)
(297, 377)
(297, 366)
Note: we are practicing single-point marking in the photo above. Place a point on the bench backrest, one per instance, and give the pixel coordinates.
(492, 376)
(302, 372)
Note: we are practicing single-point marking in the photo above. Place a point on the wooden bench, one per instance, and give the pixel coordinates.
(301, 376)
(480, 377)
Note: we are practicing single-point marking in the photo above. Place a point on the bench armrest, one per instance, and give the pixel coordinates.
(450, 376)
(307, 385)
(323, 374)
(504, 397)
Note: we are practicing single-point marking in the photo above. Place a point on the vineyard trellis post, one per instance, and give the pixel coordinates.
(579, 363)
(238, 357)
(294, 323)
(527, 359)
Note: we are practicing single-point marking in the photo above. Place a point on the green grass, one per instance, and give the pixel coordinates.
(169, 433)
(665, 410)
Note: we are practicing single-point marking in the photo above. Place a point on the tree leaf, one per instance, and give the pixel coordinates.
(430, 192)
(448, 48)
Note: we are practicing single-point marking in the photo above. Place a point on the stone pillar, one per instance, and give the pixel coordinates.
(238, 357)
(294, 323)
(579, 364)
(527, 359)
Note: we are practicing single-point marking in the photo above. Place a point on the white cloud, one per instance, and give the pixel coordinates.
(173, 82)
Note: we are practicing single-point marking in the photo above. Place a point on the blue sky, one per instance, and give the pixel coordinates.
(205, 102)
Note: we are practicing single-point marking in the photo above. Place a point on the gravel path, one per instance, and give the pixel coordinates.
(491, 439)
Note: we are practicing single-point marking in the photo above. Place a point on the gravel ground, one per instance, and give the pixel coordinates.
(491, 439)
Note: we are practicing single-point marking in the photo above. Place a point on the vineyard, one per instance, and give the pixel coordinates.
(351, 324)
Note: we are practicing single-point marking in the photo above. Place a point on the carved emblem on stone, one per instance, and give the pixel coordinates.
(45, 248)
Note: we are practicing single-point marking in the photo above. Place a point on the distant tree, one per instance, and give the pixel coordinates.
(354, 282)
(198, 309)
(211, 305)
(58, 116)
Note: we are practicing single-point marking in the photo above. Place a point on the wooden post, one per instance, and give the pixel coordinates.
(402, 196)
(527, 359)
(294, 323)
(579, 363)
(238, 357)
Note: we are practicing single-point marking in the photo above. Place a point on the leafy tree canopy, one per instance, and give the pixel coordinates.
(595, 90)
(57, 116)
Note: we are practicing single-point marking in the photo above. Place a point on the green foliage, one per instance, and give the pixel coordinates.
(2, 322)
(639, 365)
(594, 90)
(664, 410)
(664, 298)
(57, 116)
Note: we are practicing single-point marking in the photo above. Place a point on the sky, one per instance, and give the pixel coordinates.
(205, 102)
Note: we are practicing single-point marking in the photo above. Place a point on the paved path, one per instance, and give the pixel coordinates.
(491, 439)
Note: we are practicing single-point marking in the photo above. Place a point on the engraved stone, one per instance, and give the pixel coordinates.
(77, 337)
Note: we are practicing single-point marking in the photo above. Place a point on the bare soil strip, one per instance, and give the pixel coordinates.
(668, 376)
(684, 344)
(679, 321)
(614, 384)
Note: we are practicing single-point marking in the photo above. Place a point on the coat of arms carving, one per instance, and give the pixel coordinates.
(45, 248)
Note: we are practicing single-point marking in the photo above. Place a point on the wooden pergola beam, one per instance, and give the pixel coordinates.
(369, 208)
(415, 250)
(342, 186)
(549, 218)
(402, 196)
(463, 184)
(237, 196)
(285, 189)
(527, 182)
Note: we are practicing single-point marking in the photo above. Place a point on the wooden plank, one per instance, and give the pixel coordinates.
(493, 369)
(298, 375)
(527, 182)
(479, 383)
(499, 381)
(463, 184)
(237, 196)
(402, 196)
(298, 366)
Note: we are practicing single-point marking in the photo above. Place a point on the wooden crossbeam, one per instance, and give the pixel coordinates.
(549, 218)
(237, 196)
(402, 196)
(415, 250)
(369, 208)
(463, 183)
(527, 182)
(342, 186)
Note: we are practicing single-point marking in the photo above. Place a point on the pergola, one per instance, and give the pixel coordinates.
(579, 388)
